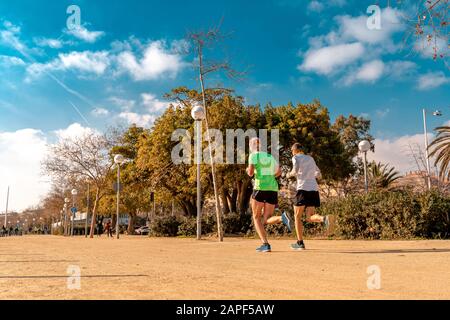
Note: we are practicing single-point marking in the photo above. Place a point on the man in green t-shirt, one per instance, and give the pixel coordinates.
(265, 169)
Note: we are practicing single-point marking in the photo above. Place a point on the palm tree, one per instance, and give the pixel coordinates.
(382, 175)
(440, 148)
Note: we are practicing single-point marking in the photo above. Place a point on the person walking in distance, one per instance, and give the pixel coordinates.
(108, 229)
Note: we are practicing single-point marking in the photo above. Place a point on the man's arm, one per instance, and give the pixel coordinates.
(277, 171)
(251, 170)
(317, 173)
(251, 165)
(294, 170)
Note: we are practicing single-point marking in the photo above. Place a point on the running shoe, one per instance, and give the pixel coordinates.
(264, 248)
(298, 246)
(286, 221)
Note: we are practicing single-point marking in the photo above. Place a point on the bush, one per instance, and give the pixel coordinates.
(234, 223)
(435, 215)
(188, 226)
(165, 226)
(391, 215)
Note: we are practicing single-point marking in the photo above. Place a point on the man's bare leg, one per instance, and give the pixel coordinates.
(268, 212)
(257, 208)
(274, 220)
(312, 217)
(298, 213)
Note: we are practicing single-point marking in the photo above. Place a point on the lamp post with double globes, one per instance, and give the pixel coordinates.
(198, 114)
(118, 160)
(364, 146)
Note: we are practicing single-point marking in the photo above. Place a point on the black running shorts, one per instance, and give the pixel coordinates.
(307, 199)
(270, 197)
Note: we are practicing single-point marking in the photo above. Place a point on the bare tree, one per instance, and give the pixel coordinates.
(84, 157)
(428, 26)
(200, 41)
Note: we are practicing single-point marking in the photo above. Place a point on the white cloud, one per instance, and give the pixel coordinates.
(75, 130)
(315, 6)
(382, 113)
(355, 28)
(432, 80)
(124, 104)
(396, 151)
(84, 34)
(156, 61)
(48, 42)
(141, 120)
(152, 103)
(100, 112)
(401, 69)
(9, 36)
(21, 153)
(374, 70)
(327, 59)
(352, 43)
(11, 61)
(368, 73)
(21, 156)
(85, 62)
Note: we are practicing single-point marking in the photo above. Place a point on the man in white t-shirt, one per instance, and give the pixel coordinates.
(307, 199)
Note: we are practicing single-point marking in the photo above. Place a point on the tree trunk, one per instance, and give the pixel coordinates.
(244, 196)
(130, 229)
(184, 208)
(94, 213)
(224, 196)
(234, 197)
(189, 207)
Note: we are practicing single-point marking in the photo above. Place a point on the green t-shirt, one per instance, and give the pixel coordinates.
(265, 166)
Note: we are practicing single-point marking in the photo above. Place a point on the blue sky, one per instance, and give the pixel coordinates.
(116, 67)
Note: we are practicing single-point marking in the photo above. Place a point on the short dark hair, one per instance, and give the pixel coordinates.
(297, 146)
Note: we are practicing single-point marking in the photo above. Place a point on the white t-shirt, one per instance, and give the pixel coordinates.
(304, 168)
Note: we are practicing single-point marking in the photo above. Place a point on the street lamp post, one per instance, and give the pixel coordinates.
(198, 114)
(87, 211)
(66, 205)
(7, 202)
(74, 195)
(118, 160)
(436, 113)
(364, 147)
(61, 213)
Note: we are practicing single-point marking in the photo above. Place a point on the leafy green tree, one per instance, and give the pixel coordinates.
(440, 148)
(382, 176)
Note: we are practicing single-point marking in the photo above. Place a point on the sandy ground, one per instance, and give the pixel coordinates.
(36, 267)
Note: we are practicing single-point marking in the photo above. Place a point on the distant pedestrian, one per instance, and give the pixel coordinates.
(108, 229)
(99, 228)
